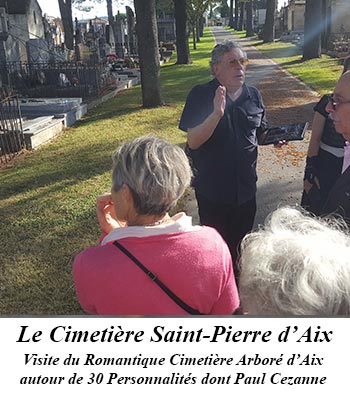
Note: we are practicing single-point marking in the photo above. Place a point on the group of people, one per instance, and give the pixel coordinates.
(151, 263)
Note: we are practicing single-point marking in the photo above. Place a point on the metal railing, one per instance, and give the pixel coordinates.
(59, 79)
(11, 132)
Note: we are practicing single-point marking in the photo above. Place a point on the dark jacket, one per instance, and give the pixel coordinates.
(339, 198)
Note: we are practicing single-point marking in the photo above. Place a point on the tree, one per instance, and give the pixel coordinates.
(249, 10)
(312, 30)
(236, 14)
(67, 21)
(230, 23)
(241, 16)
(182, 47)
(224, 9)
(147, 38)
(195, 11)
(79, 5)
(268, 33)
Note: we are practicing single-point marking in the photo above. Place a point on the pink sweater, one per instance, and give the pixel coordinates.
(195, 264)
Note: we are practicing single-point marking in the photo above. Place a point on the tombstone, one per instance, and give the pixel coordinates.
(131, 41)
(119, 33)
(38, 51)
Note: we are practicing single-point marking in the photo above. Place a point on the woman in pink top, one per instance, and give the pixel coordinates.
(193, 262)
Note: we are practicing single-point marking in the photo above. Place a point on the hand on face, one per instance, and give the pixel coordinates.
(106, 213)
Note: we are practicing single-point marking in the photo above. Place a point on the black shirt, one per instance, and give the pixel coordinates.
(225, 165)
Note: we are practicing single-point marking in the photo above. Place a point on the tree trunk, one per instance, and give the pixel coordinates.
(269, 26)
(198, 39)
(182, 47)
(241, 16)
(236, 14)
(312, 30)
(67, 21)
(249, 10)
(147, 37)
(230, 23)
(194, 38)
(201, 26)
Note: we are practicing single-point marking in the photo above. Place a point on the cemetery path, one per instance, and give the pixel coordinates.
(287, 101)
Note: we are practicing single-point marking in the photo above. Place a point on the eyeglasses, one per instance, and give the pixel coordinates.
(240, 61)
(334, 102)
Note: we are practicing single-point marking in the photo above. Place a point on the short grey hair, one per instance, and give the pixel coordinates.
(296, 265)
(220, 49)
(156, 171)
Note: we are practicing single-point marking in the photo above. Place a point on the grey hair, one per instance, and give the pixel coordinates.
(156, 171)
(222, 48)
(296, 265)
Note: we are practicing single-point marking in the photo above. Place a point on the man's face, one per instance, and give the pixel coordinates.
(339, 108)
(230, 72)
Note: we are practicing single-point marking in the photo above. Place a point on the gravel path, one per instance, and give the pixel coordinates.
(287, 101)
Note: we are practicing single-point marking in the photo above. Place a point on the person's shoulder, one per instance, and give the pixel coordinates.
(202, 93)
(90, 257)
(205, 87)
(211, 235)
(202, 86)
(253, 91)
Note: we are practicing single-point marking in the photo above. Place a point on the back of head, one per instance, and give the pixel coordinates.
(296, 265)
(156, 171)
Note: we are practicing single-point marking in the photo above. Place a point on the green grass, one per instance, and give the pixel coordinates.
(320, 74)
(47, 206)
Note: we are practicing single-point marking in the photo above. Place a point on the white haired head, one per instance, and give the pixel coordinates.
(296, 265)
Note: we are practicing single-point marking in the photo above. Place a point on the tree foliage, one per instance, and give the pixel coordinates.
(81, 5)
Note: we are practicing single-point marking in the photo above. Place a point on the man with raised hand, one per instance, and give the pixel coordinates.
(223, 120)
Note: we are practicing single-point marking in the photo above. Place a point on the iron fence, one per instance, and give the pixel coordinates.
(11, 131)
(59, 79)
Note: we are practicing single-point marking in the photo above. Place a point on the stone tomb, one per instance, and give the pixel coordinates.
(44, 118)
